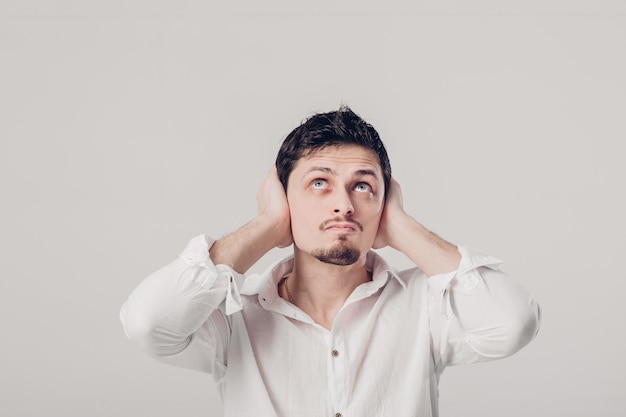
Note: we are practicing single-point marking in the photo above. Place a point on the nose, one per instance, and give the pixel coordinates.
(343, 204)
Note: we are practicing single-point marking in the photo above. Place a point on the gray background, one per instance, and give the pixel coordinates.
(128, 127)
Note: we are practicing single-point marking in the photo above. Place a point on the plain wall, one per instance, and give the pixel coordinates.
(127, 127)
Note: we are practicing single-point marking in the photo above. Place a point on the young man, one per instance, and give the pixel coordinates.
(333, 330)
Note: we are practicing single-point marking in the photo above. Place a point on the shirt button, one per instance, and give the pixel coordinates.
(335, 353)
(337, 414)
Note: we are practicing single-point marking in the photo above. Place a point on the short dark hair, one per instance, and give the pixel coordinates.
(336, 128)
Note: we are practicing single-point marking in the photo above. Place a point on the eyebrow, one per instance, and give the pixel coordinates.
(364, 172)
(326, 170)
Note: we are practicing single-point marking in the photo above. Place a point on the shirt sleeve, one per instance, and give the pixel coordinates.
(478, 313)
(179, 314)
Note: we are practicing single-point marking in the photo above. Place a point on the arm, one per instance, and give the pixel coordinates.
(477, 313)
(397, 229)
(270, 229)
(179, 313)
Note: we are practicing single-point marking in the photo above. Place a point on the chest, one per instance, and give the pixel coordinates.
(377, 351)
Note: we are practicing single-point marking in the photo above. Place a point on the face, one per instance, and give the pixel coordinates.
(336, 198)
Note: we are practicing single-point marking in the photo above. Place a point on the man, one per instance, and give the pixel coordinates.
(333, 330)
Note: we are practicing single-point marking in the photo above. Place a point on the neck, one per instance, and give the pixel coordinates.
(320, 289)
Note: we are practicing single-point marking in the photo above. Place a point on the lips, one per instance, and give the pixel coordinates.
(343, 227)
(341, 224)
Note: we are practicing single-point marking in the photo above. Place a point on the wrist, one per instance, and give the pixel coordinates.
(276, 231)
(427, 250)
(402, 233)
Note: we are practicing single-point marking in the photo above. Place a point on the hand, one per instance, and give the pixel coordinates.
(270, 229)
(397, 229)
(273, 207)
(393, 214)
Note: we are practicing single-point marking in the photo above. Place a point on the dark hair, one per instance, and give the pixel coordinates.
(336, 128)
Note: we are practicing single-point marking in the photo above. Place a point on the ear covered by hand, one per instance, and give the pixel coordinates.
(393, 214)
(273, 207)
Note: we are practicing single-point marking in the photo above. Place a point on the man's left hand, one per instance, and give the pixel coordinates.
(393, 215)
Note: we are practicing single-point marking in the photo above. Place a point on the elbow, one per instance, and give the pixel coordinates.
(522, 330)
(143, 329)
(137, 327)
(511, 335)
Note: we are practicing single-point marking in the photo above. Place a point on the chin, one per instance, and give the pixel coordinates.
(338, 254)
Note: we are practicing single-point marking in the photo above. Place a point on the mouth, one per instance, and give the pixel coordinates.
(342, 227)
(339, 224)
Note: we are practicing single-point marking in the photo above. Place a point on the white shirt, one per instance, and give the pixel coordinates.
(384, 355)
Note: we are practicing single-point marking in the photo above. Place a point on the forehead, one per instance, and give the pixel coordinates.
(340, 158)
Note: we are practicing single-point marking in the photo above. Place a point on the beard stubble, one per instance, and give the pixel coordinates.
(339, 254)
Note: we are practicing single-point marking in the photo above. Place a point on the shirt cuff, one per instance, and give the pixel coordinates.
(470, 260)
(197, 254)
(440, 286)
(197, 251)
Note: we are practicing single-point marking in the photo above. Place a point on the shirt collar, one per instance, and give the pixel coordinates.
(265, 285)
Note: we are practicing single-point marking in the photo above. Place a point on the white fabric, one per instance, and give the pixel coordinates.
(393, 337)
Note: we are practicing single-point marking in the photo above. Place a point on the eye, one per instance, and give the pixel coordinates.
(363, 187)
(319, 184)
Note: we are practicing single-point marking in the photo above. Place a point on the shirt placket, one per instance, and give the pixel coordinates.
(337, 383)
(338, 355)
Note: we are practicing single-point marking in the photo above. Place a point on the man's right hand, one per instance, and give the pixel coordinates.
(273, 208)
(270, 229)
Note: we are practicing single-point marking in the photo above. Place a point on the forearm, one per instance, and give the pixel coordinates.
(429, 252)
